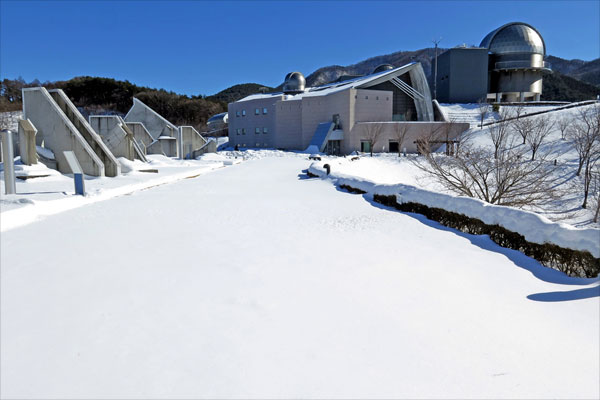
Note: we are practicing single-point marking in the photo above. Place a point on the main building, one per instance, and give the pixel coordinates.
(339, 117)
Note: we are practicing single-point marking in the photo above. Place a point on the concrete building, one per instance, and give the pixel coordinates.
(337, 117)
(117, 136)
(510, 60)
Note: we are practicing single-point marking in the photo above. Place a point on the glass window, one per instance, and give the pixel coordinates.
(243, 113)
(256, 130)
(237, 131)
(243, 131)
(257, 144)
(367, 97)
(257, 111)
(265, 130)
(237, 113)
(265, 110)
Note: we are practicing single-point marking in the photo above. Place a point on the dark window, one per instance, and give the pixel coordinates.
(393, 146)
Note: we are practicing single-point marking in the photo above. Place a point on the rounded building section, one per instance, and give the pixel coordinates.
(382, 67)
(516, 62)
(294, 83)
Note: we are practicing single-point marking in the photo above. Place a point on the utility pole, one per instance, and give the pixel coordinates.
(435, 42)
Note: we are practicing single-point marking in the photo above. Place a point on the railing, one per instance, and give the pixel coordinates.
(521, 64)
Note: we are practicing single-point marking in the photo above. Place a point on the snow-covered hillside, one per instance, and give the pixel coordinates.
(252, 281)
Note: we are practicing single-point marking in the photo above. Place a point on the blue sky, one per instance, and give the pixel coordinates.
(202, 47)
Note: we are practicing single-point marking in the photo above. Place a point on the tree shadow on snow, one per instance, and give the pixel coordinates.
(519, 259)
(304, 175)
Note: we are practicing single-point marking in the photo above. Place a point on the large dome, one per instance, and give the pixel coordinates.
(516, 37)
(294, 83)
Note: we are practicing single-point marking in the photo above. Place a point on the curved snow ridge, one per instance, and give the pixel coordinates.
(534, 227)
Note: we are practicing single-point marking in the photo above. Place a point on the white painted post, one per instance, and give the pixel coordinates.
(8, 157)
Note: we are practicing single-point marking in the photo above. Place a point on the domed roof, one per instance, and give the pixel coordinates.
(382, 67)
(515, 37)
(294, 83)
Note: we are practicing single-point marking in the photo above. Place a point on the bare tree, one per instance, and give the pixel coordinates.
(507, 180)
(426, 141)
(400, 131)
(446, 131)
(585, 135)
(523, 126)
(563, 124)
(542, 126)
(372, 133)
(500, 132)
(483, 109)
(595, 192)
(518, 111)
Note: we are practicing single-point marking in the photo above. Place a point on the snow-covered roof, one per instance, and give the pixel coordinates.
(334, 87)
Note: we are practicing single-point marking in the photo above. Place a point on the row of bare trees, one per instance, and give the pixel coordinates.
(519, 171)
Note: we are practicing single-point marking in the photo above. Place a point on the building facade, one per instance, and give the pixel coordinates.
(332, 118)
(510, 60)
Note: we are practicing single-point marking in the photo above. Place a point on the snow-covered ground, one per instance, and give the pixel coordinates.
(252, 281)
(469, 112)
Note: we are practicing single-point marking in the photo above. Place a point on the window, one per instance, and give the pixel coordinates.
(237, 131)
(377, 98)
(266, 145)
(265, 110)
(365, 146)
(257, 111)
(265, 130)
(367, 97)
(393, 146)
(237, 113)
(243, 131)
(243, 113)
(257, 144)
(387, 99)
(257, 130)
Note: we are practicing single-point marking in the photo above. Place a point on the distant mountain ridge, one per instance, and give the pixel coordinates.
(572, 80)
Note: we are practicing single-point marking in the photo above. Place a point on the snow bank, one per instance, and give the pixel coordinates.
(534, 227)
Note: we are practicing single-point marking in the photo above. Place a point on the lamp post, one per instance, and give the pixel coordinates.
(435, 42)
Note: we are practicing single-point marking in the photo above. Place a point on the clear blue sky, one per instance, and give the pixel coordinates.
(202, 47)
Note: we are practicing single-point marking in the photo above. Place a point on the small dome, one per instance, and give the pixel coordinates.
(382, 67)
(294, 83)
(516, 37)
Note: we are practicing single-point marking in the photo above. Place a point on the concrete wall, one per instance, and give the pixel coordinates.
(110, 129)
(191, 140)
(416, 130)
(141, 135)
(27, 134)
(111, 165)
(154, 123)
(288, 125)
(242, 128)
(57, 133)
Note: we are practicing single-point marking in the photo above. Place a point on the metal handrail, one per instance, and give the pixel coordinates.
(521, 64)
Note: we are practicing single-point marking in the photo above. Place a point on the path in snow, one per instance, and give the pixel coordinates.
(251, 281)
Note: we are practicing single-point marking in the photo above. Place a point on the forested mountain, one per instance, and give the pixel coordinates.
(572, 80)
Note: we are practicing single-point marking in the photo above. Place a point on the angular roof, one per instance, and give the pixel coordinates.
(334, 87)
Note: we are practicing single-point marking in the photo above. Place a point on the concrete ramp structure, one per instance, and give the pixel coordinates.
(141, 135)
(209, 147)
(190, 141)
(61, 127)
(167, 138)
(157, 126)
(117, 136)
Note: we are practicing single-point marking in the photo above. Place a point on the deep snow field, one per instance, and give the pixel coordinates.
(252, 281)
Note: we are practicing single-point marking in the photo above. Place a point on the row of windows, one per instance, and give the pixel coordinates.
(376, 98)
(256, 112)
(257, 130)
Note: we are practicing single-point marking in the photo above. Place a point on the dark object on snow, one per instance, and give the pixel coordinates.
(315, 157)
(327, 168)
(237, 147)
